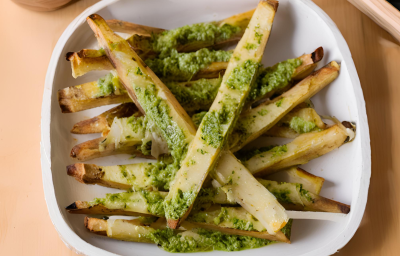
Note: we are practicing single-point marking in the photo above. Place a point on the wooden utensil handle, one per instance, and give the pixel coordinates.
(383, 13)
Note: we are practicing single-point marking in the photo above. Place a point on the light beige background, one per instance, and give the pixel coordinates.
(27, 39)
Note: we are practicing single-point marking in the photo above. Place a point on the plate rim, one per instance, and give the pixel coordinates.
(78, 245)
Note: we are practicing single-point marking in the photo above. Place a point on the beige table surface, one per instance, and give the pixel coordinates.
(26, 42)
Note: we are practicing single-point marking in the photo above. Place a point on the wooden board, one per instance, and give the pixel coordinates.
(27, 41)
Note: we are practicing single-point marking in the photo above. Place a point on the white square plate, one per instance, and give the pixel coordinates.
(299, 27)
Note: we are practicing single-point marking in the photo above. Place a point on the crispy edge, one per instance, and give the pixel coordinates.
(92, 174)
(103, 122)
(90, 150)
(133, 28)
(95, 225)
(82, 207)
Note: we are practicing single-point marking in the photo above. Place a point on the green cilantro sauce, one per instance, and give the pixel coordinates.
(241, 76)
(185, 65)
(205, 240)
(108, 84)
(273, 78)
(157, 114)
(304, 193)
(204, 34)
(278, 150)
(176, 207)
(198, 95)
(212, 128)
(153, 199)
(154, 202)
(282, 195)
(301, 126)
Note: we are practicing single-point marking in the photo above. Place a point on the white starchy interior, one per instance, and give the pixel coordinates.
(299, 27)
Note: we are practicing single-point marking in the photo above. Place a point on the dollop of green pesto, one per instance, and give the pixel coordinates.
(242, 224)
(283, 196)
(204, 34)
(212, 125)
(153, 199)
(197, 95)
(223, 214)
(176, 207)
(278, 150)
(301, 126)
(108, 84)
(154, 202)
(274, 78)
(204, 241)
(184, 66)
(162, 173)
(158, 115)
(241, 76)
(211, 130)
(287, 229)
(197, 118)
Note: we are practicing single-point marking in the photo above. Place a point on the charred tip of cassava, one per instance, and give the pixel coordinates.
(350, 129)
(72, 206)
(349, 125)
(86, 222)
(66, 108)
(69, 55)
(76, 171)
(94, 17)
(344, 208)
(274, 4)
(173, 224)
(74, 152)
(317, 55)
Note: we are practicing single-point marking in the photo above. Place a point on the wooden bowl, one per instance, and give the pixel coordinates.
(42, 5)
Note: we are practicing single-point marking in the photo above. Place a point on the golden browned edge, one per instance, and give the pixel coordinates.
(82, 207)
(95, 225)
(133, 28)
(81, 64)
(272, 3)
(90, 150)
(103, 122)
(279, 236)
(322, 204)
(317, 179)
